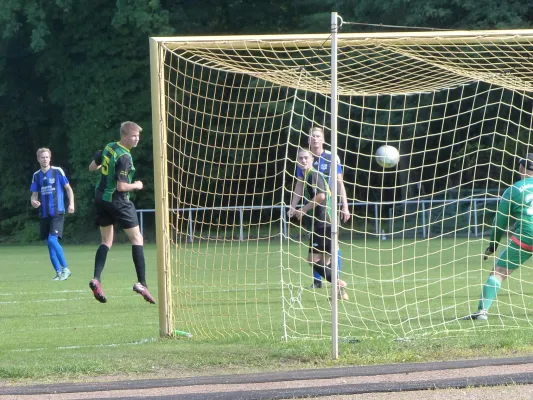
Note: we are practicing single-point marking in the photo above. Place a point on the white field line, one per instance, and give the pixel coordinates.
(142, 341)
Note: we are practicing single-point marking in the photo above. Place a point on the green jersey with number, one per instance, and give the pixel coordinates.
(315, 183)
(117, 166)
(515, 209)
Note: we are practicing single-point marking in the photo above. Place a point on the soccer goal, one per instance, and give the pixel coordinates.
(230, 112)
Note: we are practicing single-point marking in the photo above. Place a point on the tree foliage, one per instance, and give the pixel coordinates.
(72, 71)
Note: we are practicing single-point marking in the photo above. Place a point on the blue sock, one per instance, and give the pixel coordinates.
(317, 276)
(53, 256)
(54, 243)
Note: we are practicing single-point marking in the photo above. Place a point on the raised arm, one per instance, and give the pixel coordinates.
(96, 163)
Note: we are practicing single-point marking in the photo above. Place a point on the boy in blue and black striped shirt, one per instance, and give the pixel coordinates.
(48, 188)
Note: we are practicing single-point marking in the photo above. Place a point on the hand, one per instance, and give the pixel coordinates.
(35, 203)
(291, 211)
(298, 214)
(138, 185)
(345, 214)
(71, 209)
(488, 252)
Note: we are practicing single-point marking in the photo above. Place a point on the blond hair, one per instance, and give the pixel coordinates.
(129, 127)
(43, 150)
(306, 150)
(316, 128)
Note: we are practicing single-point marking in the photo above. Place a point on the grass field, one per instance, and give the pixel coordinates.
(53, 330)
(398, 289)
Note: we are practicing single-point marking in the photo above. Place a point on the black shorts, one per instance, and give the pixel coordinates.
(52, 226)
(320, 241)
(122, 213)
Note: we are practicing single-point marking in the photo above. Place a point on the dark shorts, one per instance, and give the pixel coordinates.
(122, 213)
(320, 241)
(52, 226)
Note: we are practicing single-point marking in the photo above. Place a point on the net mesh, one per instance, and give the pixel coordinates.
(457, 106)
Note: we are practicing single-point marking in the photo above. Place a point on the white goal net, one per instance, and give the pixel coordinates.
(229, 116)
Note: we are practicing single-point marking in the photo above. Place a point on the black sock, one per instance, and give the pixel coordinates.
(323, 270)
(99, 261)
(319, 268)
(327, 268)
(137, 253)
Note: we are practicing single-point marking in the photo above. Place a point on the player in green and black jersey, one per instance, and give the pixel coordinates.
(113, 206)
(318, 198)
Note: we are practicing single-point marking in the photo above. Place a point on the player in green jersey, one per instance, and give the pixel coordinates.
(318, 198)
(113, 206)
(515, 209)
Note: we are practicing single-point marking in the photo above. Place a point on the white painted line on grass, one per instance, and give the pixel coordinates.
(142, 341)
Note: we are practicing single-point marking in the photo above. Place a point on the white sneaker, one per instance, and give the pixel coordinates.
(480, 315)
(57, 277)
(65, 274)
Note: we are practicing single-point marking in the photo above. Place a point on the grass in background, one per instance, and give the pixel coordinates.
(53, 331)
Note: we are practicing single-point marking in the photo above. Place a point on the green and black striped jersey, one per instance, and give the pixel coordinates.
(117, 166)
(315, 183)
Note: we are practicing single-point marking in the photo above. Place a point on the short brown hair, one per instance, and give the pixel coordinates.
(128, 127)
(43, 150)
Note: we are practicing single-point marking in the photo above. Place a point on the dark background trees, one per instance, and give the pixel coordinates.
(72, 71)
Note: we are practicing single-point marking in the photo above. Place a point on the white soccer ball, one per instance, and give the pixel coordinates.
(387, 156)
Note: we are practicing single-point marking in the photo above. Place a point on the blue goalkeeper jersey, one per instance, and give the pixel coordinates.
(50, 186)
(322, 164)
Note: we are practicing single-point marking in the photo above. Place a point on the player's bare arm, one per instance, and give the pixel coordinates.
(296, 197)
(93, 166)
(35, 203)
(70, 195)
(96, 163)
(128, 187)
(318, 199)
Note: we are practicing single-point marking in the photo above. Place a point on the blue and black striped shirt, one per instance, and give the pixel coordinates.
(50, 185)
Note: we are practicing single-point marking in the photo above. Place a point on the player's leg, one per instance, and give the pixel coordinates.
(127, 217)
(317, 278)
(319, 260)
(317, 281)
(44, 233)
(322, 257)
(507, 262)
(56, 233)
(312, 259)
(326, 246)
(105, 221)
(107, 234)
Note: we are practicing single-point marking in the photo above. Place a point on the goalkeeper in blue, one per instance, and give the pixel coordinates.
(48, 188)
(515, 209)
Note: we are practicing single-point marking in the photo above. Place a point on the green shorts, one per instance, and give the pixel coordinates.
(512, 256)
